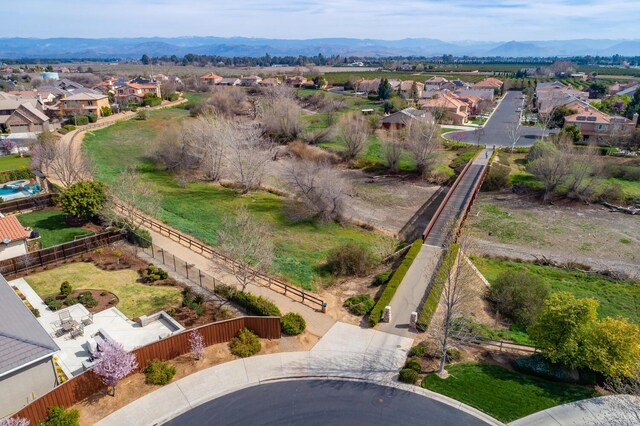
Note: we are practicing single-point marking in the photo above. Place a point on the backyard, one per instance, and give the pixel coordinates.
(135, 299)
(52, 226)
(13, 162)
(504, 394)
(200, 208)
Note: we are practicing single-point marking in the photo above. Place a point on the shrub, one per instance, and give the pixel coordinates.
(497, 178)
(154, 273)
(106, 111)
(245, 344)
(159, 372)
(519, 295)
(83, 200)
(70, 301)
(376, 312)
(140, 237)
(359, 305)
(413, 365)
(174, 97)
(53, 303)
(142, 115)
(613, 193)
(453, 355)
(431, 303)
(256, 305)
(408, 375)
(87, 299)
(292, 324)
(63, 131)
(419, 350)
(192, 301)
(59, 416)
(537, 365)
(383, 277)
(80, 120)
(151, 99)
(65, 288)
(92, 118)
(35, 312)
(350, 259)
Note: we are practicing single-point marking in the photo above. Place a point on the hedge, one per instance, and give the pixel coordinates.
(537, 365)
(256, 305)
(376, 313)
(431, 303)
(18, 174)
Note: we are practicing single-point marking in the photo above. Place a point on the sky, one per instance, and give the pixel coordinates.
(450, 20)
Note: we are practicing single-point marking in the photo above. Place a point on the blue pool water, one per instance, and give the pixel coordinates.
(8, 191)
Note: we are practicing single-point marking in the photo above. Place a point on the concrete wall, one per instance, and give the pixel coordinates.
(13, 249)
(23, 386)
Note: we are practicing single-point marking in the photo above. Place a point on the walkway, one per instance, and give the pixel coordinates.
(619, 410)
(414, 286)
(317, 322)
(345, 352)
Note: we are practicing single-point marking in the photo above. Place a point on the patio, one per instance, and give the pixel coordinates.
(109, 324)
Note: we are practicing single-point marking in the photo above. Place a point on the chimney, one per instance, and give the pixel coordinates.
(635, 119)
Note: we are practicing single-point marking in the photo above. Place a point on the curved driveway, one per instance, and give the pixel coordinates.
(315, 402)
(496, 130)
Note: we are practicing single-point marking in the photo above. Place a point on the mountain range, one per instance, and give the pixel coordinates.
(134, 48)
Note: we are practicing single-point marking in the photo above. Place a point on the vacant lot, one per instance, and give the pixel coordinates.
(135, 299)
(13, 162)
(617, 298)
(200, 208)
(501, 393)
(521, 227)
(53, 227)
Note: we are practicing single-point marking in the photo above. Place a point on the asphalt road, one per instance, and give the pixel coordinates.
(496, 130)
(324, 402)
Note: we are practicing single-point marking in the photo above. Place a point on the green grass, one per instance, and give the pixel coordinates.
(504, 394)
(617, 298)
(53, 227)
(200, 208)
(13, 162)
(135, 299)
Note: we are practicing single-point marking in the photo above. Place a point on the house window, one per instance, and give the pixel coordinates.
(90, 103)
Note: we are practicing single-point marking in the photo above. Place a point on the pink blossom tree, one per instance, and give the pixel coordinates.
(196, 344)
(114, 364)
(14, 421)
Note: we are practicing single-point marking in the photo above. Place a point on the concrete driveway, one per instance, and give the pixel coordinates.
(496, 130)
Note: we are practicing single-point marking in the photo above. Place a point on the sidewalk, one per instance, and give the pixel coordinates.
(317, 322)
(346, 352)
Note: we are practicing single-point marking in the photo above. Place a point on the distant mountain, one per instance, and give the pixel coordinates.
(133, 48)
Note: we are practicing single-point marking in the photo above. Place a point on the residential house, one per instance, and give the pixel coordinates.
(553, 94)
(26, 118)
(407, 89)
(594, 124)
(133, 93)
(482, 93)
(629, 91)
(229, 81)
(144, 80)
(106, 86)
(67, 84)
(456, 110)
(368, 86)
(402, 118)
(297, 81)
(13, 237)
(270, 82)
(472, 103)
(27, 366)
(251, 80)
(489, 83)
(210, 79)
(459, 84)
(83, 104)
(436, 81)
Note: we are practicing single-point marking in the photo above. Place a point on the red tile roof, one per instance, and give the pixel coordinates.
(10, 228)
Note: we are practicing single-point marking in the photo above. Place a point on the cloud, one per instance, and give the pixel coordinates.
(386, 19)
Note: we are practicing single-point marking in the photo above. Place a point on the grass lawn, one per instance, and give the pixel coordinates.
(13, 162)
(52, 226)
(200, 208)
(135, 299)
(504, 394)
(617, 298)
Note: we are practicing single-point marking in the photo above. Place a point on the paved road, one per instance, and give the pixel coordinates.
(496, 130)
(322, 402)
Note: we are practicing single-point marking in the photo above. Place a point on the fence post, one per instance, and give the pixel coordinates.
(186, 267)
(162, 251)
(200, 277)
(174, 263)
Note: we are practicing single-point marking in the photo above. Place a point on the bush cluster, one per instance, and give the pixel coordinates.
(154, 273)
(376, 312)
(195, 302)
(537, 365)
(292, 324)
(497, 178)
(18, 174)
(245, 344)
(383, 277)
(59, 416)
(360, 304)
(255, 305)
(159, 372)
(139, 237)
(519, 295)
(413, 365)
(622, 172)
(408, 375)
(53, 303)
(350, 259)
(66, 288)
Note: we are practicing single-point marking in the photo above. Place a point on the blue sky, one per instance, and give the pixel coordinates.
(383, 19)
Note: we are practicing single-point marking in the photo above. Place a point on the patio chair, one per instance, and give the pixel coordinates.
(87, 319)
(64, 316)
(77, 331)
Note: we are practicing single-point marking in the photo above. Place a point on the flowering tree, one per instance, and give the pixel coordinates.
(14, 421)
(196, 344)
(114, 364)
(7, 145)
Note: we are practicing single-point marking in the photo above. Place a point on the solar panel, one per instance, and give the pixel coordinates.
(592, 118)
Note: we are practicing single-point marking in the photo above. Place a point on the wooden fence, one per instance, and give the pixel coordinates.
(29, 203)
(86, 384)
(263, 279)
(24, 263)
(503, 345)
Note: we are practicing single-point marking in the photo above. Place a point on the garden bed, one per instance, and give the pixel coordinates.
(104, 299)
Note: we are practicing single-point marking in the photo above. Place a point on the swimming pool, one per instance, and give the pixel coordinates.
(18, 189)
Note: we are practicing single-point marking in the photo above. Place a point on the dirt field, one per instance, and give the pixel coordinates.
(519, 227)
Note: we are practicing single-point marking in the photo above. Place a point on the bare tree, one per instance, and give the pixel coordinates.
(354, 131)
(205, 138)
(456, 278)
(320, 188)
(247, 154)
(423, 140)
(172, 150)
(549, 164)
(248, 241)
(513, 130)
(392, 148)
(282, 119)
(62, 160)
(585, 164)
